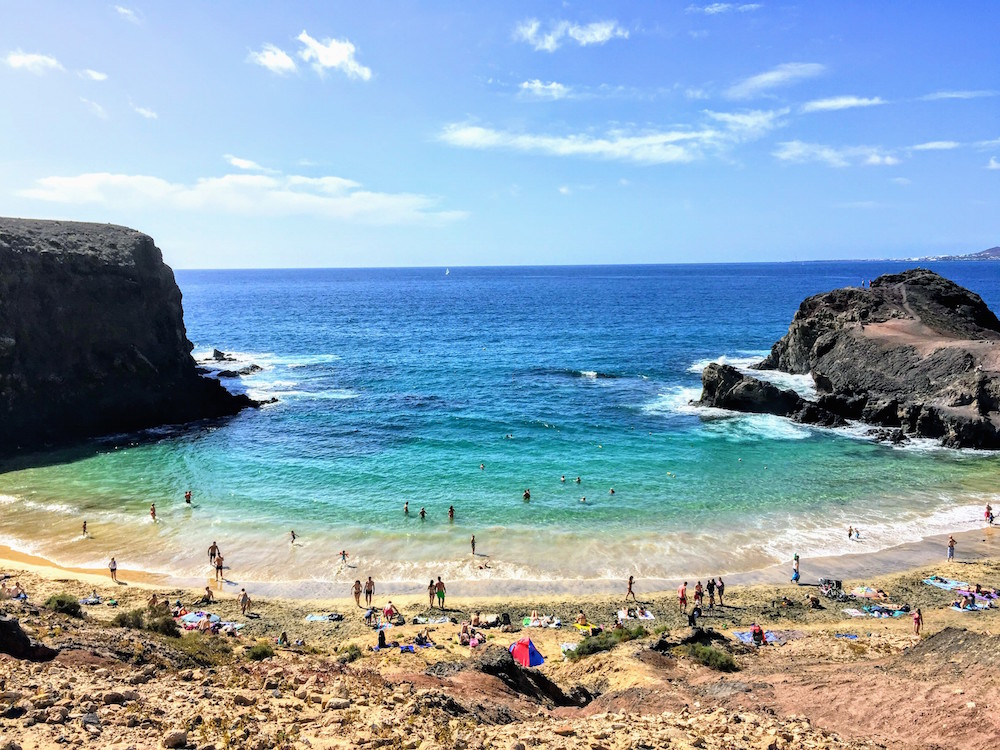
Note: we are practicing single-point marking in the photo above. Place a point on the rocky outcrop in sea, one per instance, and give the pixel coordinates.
(914, 354)
(92, 337)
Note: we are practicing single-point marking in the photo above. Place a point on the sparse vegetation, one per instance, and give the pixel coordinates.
(260, 651)
(711, 657)
(64, 604)
(165, 625)
(133, 619)
(606, 641)
(349, 653)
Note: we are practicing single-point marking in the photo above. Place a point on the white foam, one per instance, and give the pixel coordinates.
(801, 384)
(589, 374)
(7, 499)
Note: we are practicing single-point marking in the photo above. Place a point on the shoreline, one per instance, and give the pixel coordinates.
(972, 546)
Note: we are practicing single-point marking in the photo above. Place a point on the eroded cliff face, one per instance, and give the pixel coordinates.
(92, 337)
(914, 351)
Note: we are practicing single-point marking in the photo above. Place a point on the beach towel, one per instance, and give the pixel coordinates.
(407, 650)
(745, 636)
(588, 629)
(566, 647)
(877, 610)
(193, 618)
(332, 617)
(864, 592)
(91, 600)
(944, 583)
(854, 612)
(975, 608)
(848, 636)
(542, 622)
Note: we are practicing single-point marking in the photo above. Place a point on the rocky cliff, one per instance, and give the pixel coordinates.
(914, 351)
(92, 337)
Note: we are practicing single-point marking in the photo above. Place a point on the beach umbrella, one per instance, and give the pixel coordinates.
(525, 653)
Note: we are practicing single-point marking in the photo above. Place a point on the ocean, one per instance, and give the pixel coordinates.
(396, 385)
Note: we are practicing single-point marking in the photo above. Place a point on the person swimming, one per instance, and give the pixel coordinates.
(423, 514)
(527, 494)
(451, 512)
(187, 497)
(577, 480)
(406, 508)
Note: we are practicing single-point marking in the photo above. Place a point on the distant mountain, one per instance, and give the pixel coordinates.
(992, 254)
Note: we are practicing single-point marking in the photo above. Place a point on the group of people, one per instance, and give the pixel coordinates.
(713, 587)
(13, 592)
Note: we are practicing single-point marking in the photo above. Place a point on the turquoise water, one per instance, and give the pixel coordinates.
(395, 385)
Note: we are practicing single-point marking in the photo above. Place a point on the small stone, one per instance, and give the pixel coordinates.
(564, 731)
(175, 739)
(56, 715)
(114, 698)
(336, 704)
(242, 700)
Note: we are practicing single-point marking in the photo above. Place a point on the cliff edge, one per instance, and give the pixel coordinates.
(914, 352)
(92, 337)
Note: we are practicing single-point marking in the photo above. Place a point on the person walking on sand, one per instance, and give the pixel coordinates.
(356, 590)
(951, 548)
(721, 588)
(440, 591)
(213, 551)
(710, 587)
(682, 597)
(630, 592)
(244, 600)
(473, 543)
(795, 570)
(918, 620)
(294, 537)
(431, 593)
(218, 568)
(369, 591)
(152, 511)
(84, 529)
(113, 567)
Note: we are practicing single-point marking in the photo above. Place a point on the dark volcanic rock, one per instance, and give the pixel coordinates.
(14, 641)
(92, 337)
(914, 351)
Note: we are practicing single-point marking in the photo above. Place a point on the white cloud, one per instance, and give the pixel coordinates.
(274, 59)
(958, 95)
(936, 146)
(145, 112)
(994, 164)
(33, 63)
(246, 164)
(128, 14)
(782, 75)
(841, 102)
(93, 75)
(714, 9)
(333, 53)
(695, 93)
(646, 147)
(900, 181)
(564, 190)
(95, 109)
(799, 152)
(255, 195)
(538, 90)
(599, 32)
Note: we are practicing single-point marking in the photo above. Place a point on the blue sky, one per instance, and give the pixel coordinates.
(248, 134)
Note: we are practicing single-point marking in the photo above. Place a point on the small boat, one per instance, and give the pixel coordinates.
(447, 271)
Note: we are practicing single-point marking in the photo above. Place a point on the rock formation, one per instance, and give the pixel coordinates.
(92, 337)
(915, 352)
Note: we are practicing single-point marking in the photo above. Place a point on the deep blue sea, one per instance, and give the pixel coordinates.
(396, 385)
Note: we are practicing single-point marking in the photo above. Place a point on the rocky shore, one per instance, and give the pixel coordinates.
(914, 355)
(92, 337)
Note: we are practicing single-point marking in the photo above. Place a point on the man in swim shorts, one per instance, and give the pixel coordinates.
(369, 591)
(951, 548)
(440, 591)
(218, 568)
(212, 552)
(682, 597)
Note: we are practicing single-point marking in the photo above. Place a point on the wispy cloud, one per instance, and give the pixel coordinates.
(274, 59)
(782, 75)
(936, 146)
(565, 190)
(95, 109)
(958, 95)
(841, 102)
(536, 89)
(845, 156)
(255, 195)
(993, 164)
(128, 14)
(32, 63)
(678, 145)
(246, 164)
(900, 181)
(715, 9)
(338, 54)
(599, 32)
(144, 112)
(93, 75)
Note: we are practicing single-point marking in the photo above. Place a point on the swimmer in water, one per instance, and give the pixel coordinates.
(583, 499)
(187, 497)
(611, 491)
(527, 495)
(473, 542)
(343, 556)
(406, 508)
(451, 512)
(577, 480)
(482, 467)
(152, 512)
(85, 529)
(850, 532)
(423, 514)
(562, 478)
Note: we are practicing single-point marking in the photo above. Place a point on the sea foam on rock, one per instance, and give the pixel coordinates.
(92, 337)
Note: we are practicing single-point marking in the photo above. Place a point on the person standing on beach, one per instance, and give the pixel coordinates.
(473, 543)
(795, 569)
(710, 586)
(113, 567)
(918, 620)
(369, 591)
(84, 529)
(218, 568)
(187, 497)
(356, 590)
(682, 597)
(699, 594)
(152, 511)
(951, 548)
(721, 588)
(212, 552)
(630, 592)
(431, 593)
(440, 590)
(850, 532)
(294, 537)
(244, 600)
